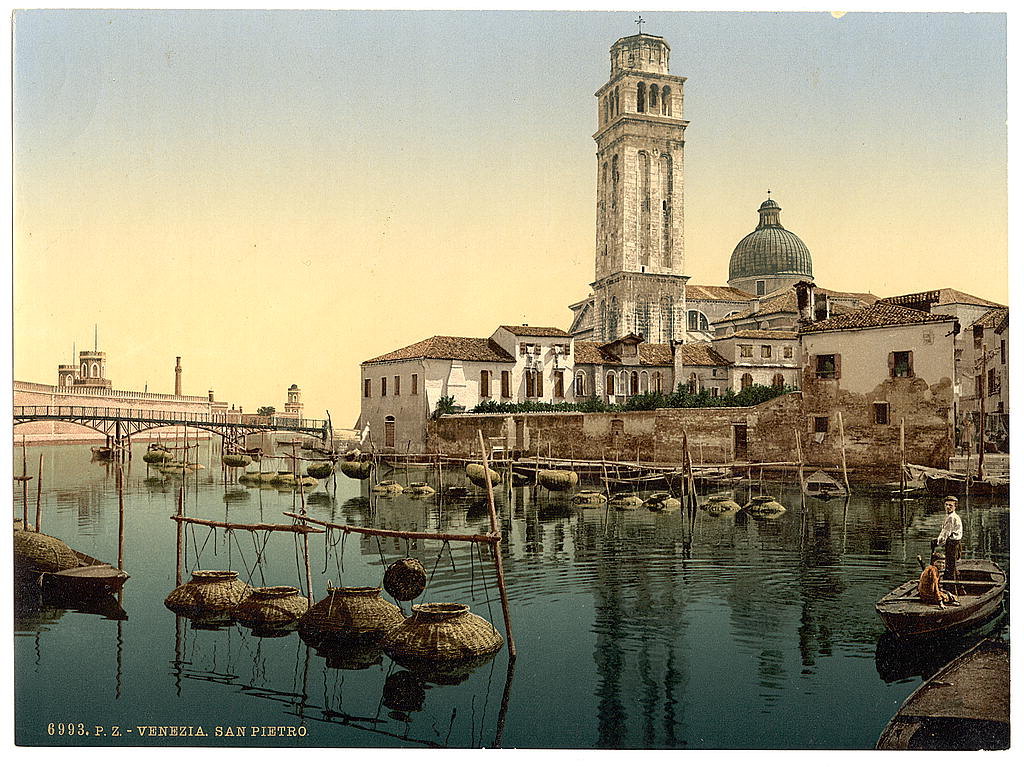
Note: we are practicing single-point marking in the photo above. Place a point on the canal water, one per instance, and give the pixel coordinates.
(634, 628)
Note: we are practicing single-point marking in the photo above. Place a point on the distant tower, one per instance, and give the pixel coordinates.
(770, 257)
(293, 405)
(66, 375)
(177, 376)
(92, 370)
(639, 284)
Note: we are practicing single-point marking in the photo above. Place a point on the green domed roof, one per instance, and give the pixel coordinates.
(770, 249)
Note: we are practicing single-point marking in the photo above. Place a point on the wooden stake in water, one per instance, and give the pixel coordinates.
(903, 458)
(120, 518)
(842, 449)
(496, 546)
(39, 494)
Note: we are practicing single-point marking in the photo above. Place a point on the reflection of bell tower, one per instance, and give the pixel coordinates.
(639, 285)
(293, 405)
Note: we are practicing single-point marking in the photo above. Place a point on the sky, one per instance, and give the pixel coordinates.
(277, 196)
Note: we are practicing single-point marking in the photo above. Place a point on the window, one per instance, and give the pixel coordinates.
(766, 351)
(759, 287)
(383, 386)
(746, 350)
(559, 384)
(641, 95)
(1002, 351)
(506, 384)
(826, 366)
(485, 383)
(993, 382)
(524, 348)
(531, 383)
(657, 382)
(691, 386)
(979, 334)
(414, 384)
(881, 413)
(787, 352)
(634, 383)
(716, 392)
(746, 381)
(778, 381)
(366, 387)
(581, 384)
(398, 385)
(901, 364)
(609, 388)
(820, 424)
(389, 431)
(666, 101)
(696, 320)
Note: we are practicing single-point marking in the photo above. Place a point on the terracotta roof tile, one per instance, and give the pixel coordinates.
(776, 335)
(715, 293)
(530, 330)
(658, 355)
(995, 318)
(880, 314)
(449, 348)
(593, 353)
(700, 354)
(940, 296)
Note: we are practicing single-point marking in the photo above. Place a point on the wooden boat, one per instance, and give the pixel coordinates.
(91, 578)
(949, 483)
(821, 485)
(102, 453)
(982, 584)
(964, 707)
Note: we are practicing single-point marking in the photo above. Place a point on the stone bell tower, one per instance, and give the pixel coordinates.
(639, 284)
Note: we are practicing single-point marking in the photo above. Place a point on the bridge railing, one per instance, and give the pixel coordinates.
(71, 412)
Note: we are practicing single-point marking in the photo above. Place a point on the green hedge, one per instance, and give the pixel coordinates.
(681, 397)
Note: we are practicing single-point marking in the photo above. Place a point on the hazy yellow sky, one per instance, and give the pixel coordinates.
(277, 196)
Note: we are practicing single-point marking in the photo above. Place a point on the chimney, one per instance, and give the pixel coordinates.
(804, 302)
(211, 395)
(177, 376)
(820, 307)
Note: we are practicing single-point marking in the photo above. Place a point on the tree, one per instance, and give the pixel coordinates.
(266, 410)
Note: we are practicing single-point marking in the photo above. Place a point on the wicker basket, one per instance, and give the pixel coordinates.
(36, 552)
(320, 470)
(625, 500)
(475, 472)
(419, 488)
(441, 632)
(555, 479)
(589, 498)
(209, 591)
(271, 606)
(720, 504)
(249, 478)
(351, 613)
(764, 506)
(341, 654)
(387, 487)
(155, 455)
(405, 579)
(662, 502)
(236, 460)
(355, 469)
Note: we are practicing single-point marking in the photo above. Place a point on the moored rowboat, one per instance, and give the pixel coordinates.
(981, 585)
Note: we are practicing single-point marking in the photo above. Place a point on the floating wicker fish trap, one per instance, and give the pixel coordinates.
(157, 455)
(589, 498)
(267, 476)
(271, 606)
(249, 478)
(520, 480)
(387, 487)
(283, 478)
(306, 481)
(351, 613)
(457, 491)
(405, 579)
(557, 479)
(442, 632)
(236, 460)
(41, 553)
(661, 502)
(764, 505)
(720, 504)
(419, 488)
(209, 591)
(625, 500)
(475, 472)
(355, 469)
(320, 470)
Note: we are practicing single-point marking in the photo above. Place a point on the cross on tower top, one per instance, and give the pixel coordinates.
(640, 23)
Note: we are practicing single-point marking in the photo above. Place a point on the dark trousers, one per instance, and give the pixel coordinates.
(953, 549)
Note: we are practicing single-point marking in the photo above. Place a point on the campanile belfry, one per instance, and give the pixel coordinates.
(639, 283)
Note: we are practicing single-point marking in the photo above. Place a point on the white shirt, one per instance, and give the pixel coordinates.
(952, 528)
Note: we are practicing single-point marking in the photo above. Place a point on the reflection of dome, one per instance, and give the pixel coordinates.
(770, 250)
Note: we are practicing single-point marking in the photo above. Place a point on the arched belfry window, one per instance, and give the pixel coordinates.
(85, 370)
(615, 180)
(654, 98)
(641, 97)
(615, 101)
(666, 101)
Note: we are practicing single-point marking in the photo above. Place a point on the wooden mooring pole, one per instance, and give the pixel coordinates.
(39, 494)
(496, 546)
(903, 458)
(181, 538)
(842, 449)
(120, 517)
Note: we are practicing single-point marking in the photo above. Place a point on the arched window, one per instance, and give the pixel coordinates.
(613, 320)
(644, 383)
(778, 381)
(609, 385)
(615, 101)
(665, 162)
(657, 382)
(581, 384)
(643, 201)
(643, 317)
(615, 181)
(634, 383)
(654, 98)
(389, 431)
(95, 370)
(641, 96)
(696, 320)
(85, 370)
(68, 380)
(746, 381)
(666, 101)
(692, 385)
(624, 382)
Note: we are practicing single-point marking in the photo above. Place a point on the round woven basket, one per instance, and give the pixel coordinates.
(625, 500)
(589, 498)
(249, 478)
(475, 472)
(764, 505)
(42, 553)
(355, 469)
(720, 504)
(405, 579)
(209, 591)
(271, 606)
(343, 654)
(441, 632)
(351, 613)
(387, 487)
(157, 456)
(419, 488)
(236, 459)
(320, 470)
(554, 479)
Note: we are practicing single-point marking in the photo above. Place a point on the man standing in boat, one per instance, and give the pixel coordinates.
(951, 536)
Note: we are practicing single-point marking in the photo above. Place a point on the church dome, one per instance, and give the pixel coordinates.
(770, 250)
